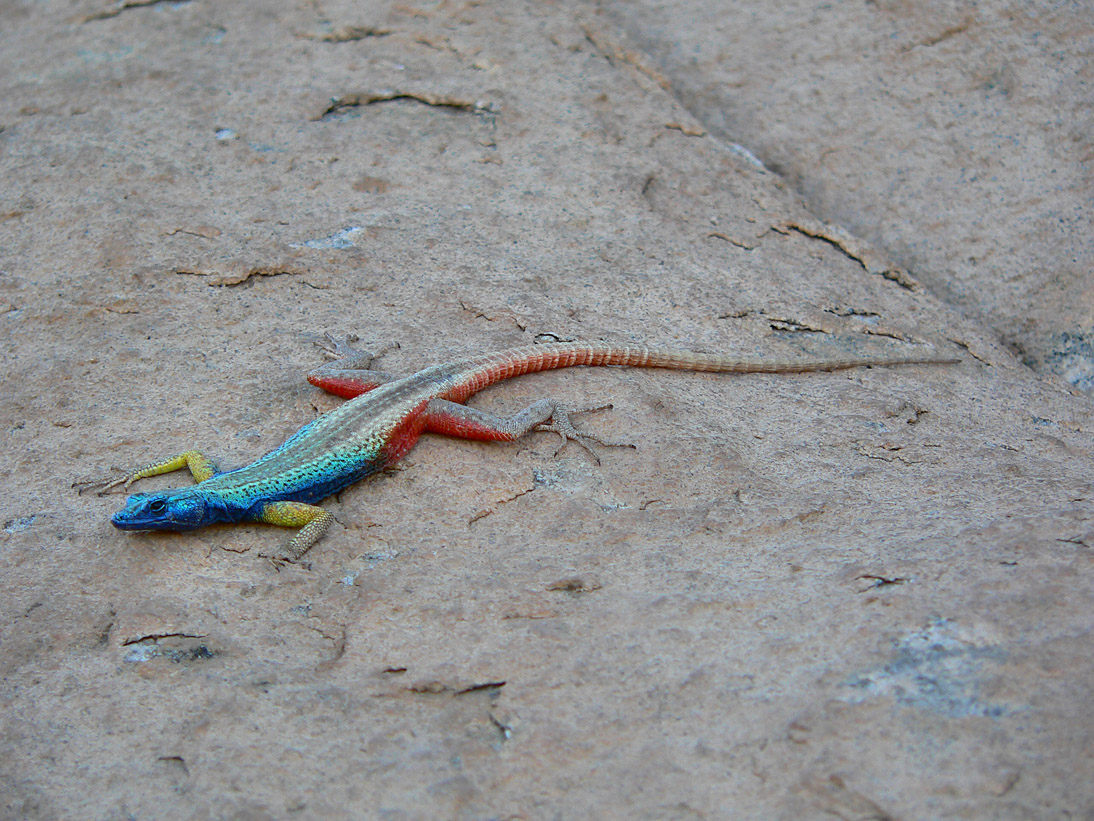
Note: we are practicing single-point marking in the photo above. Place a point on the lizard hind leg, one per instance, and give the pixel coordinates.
(350, 372)
(342, 350)
(455, 419)
(561, 424)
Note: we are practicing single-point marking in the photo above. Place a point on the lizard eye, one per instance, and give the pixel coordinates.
(158, 506)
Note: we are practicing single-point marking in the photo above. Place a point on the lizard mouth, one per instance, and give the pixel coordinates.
(125, 520)
(123, 523)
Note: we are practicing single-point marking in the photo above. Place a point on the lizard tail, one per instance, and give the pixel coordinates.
(480, 372)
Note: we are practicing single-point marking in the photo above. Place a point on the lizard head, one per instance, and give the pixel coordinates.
(182, 509)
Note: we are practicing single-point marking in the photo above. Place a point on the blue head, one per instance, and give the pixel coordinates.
(181, 509)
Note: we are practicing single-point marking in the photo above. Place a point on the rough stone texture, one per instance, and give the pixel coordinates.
(850, 595)
(957, 135)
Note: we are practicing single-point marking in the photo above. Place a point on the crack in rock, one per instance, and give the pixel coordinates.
(854, 248)
(347, 34)
(126, 5)
(221, 280)
(355, 100)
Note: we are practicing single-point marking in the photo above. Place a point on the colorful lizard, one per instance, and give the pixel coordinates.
(382, 421)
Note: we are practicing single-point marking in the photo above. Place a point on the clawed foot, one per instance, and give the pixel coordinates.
(280, 560)
(560, 423)
(104, 483)
(342, 349)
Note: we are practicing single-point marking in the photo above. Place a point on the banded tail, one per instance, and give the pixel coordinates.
(479, 372)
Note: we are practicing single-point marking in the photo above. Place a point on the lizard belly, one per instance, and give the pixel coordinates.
(322, 458)
(308, 484)
(326, 483)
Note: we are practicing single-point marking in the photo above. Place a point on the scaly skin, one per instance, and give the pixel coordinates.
(382, 421)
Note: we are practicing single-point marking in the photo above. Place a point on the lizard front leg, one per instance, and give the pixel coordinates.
(312, 520)
(454, 419)
(201, 468)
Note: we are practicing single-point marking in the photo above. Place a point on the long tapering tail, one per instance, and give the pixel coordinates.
(479, 372)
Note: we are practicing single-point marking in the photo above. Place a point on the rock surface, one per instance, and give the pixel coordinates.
(959, 136)
(859, 594)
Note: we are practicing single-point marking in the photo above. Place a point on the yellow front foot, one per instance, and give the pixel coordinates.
(201, 468)
(312, 520)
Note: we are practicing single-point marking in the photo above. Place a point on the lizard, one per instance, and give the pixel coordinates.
(381, 422)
